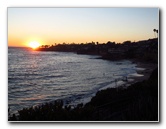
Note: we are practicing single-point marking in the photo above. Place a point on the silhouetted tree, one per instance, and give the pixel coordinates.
(155, 31)
(127, 42)
(108, 42)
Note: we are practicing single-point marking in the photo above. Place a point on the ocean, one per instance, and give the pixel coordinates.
(36, 77)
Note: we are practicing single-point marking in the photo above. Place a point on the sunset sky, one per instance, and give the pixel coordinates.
(80, 25)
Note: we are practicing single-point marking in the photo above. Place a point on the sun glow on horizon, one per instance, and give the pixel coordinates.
(34, 44)
(79, 25)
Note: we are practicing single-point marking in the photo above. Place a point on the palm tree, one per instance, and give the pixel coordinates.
(155, 30)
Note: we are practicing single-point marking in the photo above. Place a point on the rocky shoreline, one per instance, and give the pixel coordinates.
(138, 102)
(144, 68)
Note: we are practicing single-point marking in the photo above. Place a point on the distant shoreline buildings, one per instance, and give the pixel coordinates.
(146, 50)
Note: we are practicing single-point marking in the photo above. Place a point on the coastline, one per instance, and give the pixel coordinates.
(138, 102)
(132, 99)
(143, 72)
(148, 67)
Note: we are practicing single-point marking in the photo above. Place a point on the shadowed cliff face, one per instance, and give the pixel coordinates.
(139, 102)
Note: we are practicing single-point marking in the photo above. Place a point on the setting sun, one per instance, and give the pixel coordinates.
(34, 44)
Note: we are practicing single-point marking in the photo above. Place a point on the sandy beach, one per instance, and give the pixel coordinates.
(144, 70)
(148, 68)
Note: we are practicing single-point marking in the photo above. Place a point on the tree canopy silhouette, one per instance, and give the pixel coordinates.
(155, 30)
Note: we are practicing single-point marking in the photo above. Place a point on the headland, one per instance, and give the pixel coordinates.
(138, 102)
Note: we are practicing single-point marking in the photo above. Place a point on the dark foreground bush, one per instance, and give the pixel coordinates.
(139, 102)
